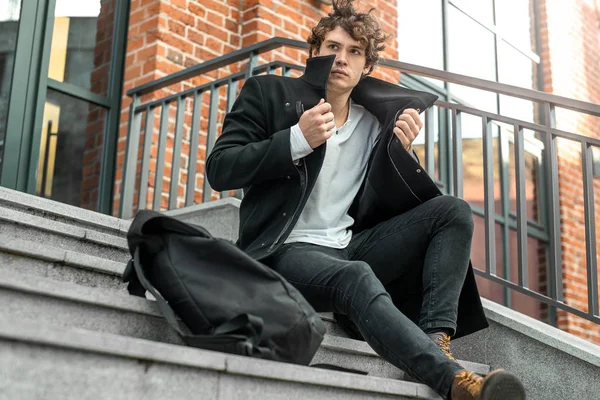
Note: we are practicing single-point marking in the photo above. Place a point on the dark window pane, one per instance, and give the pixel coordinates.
(81, 43)
(71, 150)
(9, 26)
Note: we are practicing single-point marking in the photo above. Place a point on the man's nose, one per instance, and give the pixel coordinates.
(341, 58)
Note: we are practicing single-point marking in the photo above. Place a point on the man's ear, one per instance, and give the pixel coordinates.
(315, 52)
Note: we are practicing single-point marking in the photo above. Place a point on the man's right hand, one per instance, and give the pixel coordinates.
(317, 124)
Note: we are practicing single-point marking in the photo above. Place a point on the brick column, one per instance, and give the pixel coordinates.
(570, 36)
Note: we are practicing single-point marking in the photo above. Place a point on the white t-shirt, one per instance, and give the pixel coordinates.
(324, 220)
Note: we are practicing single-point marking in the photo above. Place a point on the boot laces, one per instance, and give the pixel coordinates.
(443, 343)
(470, 382)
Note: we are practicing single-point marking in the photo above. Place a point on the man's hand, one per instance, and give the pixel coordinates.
(317, 124)
(408, 126)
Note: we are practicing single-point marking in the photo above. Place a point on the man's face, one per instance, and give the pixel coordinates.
(350, 60)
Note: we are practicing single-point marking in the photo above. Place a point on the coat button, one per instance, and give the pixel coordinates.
(418, 110)
(287, 104)
(289, 177)
(284, 214)
(418, 170)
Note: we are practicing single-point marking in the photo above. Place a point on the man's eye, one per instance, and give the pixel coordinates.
(333, 47)
(357, 52)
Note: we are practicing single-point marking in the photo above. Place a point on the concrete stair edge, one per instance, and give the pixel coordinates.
(50, 253)
(119, 346)
(75, 232)
(22, 200)
(542, 332)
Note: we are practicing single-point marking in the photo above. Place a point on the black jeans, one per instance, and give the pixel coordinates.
(424, 252)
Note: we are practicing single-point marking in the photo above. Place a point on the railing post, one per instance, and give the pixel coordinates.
(521, 207)
(176, 161)
(590, 228)
(430, 142)
(489, 205)
(193, 156)
(457, 152)
(504, 155)
(252, 63)
(160, 160)
(211, 137)
(553, 218)
(148, 132)
(130, 163)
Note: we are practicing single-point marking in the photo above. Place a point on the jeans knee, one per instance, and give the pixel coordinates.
(458, 212)
(360, 278)
(360, 286)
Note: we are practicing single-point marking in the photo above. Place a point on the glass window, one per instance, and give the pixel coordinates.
(9, 27)
(420, 39)
(482, 10)
(71, 150)
(471, 52)
(81, 43)
(514, 21)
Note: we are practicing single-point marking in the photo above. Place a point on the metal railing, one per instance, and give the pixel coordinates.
(547, 133)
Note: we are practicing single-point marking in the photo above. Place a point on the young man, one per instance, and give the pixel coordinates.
(336, 202)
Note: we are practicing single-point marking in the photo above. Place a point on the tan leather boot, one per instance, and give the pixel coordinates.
(497, 385)
(442, 340)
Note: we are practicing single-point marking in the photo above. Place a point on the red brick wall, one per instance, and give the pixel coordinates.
(166, 36)
(570, 33)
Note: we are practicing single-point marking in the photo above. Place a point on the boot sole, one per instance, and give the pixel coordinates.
(501, 385)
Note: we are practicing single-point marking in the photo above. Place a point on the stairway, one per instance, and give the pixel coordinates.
(69, 330)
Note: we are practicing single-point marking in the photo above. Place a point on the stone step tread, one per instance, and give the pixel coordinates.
(71, 215)
(53, 209)
(202, 360)
(21, 247)
(132, 304)
(11, 216)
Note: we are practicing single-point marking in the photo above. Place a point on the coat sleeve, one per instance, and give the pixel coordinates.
(246, 153)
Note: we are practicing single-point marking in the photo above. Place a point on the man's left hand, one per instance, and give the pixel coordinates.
(408, 125)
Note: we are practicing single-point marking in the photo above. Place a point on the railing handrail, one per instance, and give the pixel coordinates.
(464, 80)
(496, 87)
(216, 63)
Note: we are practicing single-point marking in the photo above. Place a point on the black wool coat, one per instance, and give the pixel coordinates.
(253, 152)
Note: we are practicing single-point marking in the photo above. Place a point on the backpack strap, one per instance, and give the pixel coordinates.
(239, 335)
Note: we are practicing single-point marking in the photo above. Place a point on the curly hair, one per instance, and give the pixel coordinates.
(361, 26)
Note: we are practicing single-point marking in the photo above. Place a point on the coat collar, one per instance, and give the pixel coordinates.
(380, 98)
(317, 71)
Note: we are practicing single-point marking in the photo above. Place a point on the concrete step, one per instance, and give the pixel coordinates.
(43, 260)
(54, 362)
(52, 303)
(219, 217)
(68, 236)
(63, 213)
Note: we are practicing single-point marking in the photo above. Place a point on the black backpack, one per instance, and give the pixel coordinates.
(228, 301)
